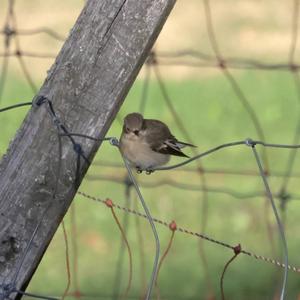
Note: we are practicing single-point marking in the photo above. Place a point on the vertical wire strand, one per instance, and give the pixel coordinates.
(120, 260)
(74, 243)
(19, 55)
(269, 227)
(7, 43)
(223, 274)
(123, 234)
(151, 222)
(238, 92)
(294, 31)
(149, 217)
(145, 88)
(140, 238)
(200, 171)
(234, 85)
(280, 226)
(3, 74)
(295, 74)
(65, 235)
(166, 252)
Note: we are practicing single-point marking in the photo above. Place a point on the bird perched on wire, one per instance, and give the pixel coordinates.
(148, 143)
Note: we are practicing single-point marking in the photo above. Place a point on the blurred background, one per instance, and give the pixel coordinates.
(254, 92)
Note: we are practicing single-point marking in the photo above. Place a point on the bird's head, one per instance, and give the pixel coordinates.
(133, 124)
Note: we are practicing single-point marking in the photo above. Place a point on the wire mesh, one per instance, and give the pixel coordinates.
(12, 34)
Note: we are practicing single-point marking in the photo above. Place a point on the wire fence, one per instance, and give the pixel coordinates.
(195, 59)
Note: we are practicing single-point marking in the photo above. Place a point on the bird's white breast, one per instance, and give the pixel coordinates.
(137, 151)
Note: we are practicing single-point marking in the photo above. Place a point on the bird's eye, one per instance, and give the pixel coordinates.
(127, 130)
(136, 132)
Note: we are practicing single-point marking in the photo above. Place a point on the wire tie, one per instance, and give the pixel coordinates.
(40, 100)
(77, 148)
(114, 142)
(56, 121)
(222, 64)
(173, 226)
(237, 249)
(109, 203)
(151, 59)
(249, 142)
(8, 31)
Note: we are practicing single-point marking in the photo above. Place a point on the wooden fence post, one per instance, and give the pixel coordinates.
(87, 85)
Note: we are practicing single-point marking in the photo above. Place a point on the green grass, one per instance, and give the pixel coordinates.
(213, 116)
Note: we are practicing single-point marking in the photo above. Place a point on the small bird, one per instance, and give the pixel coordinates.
(148, 143)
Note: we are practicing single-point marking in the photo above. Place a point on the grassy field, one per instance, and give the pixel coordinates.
(213, 115)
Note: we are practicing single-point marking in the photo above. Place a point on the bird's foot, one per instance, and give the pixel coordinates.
(149, 171)
(139, 170)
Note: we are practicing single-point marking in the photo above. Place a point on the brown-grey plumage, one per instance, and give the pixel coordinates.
(161, 139)
(148, 143)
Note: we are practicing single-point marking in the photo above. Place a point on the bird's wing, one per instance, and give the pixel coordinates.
(184, 144)
(160, 138)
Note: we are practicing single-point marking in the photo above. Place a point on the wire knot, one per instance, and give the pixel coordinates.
(173, 226)
(222, 64)
(237, 249)
(151, 59)
(114, 141)
(77, 148)
(40, 100)
(109, 203)
(56, 121)
(284, 197)
(8, 31)
(249, 142)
